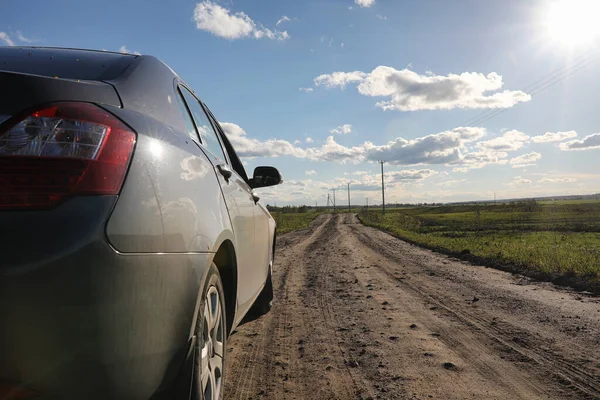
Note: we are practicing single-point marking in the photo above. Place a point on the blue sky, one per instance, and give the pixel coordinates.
(322, 89)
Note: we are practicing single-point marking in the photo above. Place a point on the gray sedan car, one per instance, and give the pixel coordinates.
(131, 240)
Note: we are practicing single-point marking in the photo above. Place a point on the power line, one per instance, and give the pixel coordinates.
(534, 92)
(540, 85)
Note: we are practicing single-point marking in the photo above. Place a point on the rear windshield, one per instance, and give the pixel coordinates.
(63, 63)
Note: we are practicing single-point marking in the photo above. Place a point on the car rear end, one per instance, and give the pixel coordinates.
(78, 319)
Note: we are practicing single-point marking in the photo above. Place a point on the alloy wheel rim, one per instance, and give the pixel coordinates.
(212, 346)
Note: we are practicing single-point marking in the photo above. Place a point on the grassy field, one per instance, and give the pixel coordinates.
(287, 222)
(556, 237)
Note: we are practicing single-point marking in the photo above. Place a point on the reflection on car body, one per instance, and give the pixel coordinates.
(132, 240)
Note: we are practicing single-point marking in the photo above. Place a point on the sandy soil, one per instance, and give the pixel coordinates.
(360, 314)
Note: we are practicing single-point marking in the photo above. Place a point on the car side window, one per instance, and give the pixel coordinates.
(236, 164)
(187, 118)
(208, 137)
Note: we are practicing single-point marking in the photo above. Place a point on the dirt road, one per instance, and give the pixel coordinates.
(360, 314)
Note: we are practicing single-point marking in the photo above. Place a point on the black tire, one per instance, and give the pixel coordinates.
(264, 301)
(212, 290)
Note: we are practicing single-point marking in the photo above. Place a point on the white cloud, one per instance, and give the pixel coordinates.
(410, 174)
(518, 180)
(282, 20)
(365, 181)
(523, 165)
(340, 79)
(334, 152)
(452, 182)
(409, 91)
(587, 143)
(357, 173)
(306, 90)
(479, 159)
(296, 141)
(259, 34)
(342, 129)
(439, 148)
(445, 148)
(247, 147)
(364, 3)
(4, 38)
(525, 160)
(311, 172)
(125, 50)
(24, 39)
(558, 180)
(554, 137)
(509, 141)
(221, 22)
(381, 17)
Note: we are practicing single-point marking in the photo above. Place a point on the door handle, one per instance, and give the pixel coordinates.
(255, 198)
(225, 171)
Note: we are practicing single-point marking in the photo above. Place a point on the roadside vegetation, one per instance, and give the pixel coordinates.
(293, 218)
(558, 238)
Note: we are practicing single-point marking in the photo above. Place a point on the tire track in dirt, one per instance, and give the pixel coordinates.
(512, 339)
(359, 314)
(319, 276)
(277, 355)
(252, 357)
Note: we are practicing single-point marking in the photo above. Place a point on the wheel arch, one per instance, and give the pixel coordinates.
(226, 261)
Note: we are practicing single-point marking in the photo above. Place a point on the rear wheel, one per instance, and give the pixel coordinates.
(211, 339)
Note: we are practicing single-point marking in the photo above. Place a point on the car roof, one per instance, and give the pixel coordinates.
(81, 64)
(144, 84)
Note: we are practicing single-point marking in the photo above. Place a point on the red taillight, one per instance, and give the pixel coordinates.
(62, 150)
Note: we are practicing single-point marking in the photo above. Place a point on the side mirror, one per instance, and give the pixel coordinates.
(265, 176)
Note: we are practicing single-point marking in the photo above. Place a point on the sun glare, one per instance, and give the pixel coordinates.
(573, 22)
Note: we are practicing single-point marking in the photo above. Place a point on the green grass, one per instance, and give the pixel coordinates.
(559, 238)
(582, 201)
(287, 222)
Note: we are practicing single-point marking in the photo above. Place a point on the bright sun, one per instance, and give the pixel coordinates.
(573, 22)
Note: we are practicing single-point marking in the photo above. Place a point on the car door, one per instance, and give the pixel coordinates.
(262, 234)
(262, 237)
(238, 196)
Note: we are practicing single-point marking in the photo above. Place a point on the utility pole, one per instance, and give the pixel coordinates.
(327, 207)
(348, 197)
(382, 187)
(333, 200)
(367, 204)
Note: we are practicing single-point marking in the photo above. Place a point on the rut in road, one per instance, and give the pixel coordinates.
(360, 314)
